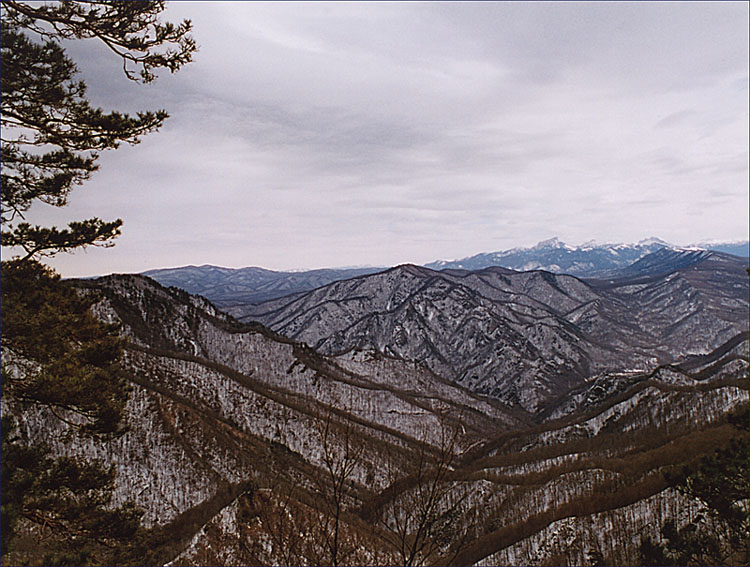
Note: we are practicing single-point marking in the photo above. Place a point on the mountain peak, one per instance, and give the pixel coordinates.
(591, 259)
(549, 243)
(653, 240)
(413, 269)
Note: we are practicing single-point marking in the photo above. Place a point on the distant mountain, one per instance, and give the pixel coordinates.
(741, 249)
(663, 261)
(523, 337)
(228, 286)
(587, 260)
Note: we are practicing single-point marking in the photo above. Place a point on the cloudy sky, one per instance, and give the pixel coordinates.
(312, 134)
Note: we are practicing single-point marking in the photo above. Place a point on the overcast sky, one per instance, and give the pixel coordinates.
(310, 135)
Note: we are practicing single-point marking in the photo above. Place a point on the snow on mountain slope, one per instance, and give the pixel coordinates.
(587, 260)
(224, 417)
(523, 337)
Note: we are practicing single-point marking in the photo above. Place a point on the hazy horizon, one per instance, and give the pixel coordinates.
(386, 266)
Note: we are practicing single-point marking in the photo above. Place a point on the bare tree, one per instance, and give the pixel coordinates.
(302, 514)
(315, 523)
(285, 521)
(341, 456)
(419, 518)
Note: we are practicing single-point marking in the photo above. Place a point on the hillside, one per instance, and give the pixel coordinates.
(233, 427)
(228, 286)
(523, 337)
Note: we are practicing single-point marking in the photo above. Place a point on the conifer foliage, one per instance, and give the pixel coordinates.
(51, 133)
(66, 501)
(56, 354)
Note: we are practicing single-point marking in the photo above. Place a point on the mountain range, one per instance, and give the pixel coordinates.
(523, 337)
(418, 416)
(226, 286)
(229, 287)
(741, 249)
(234, 427)
(587, 260)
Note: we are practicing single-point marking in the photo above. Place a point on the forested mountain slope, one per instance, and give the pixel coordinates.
(241, 440)
(226, 287)
(523, 337)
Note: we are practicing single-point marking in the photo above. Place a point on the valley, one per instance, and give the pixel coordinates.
(414, 416)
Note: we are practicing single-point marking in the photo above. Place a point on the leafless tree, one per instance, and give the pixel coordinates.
(285, 521)
(419, 518)
(340, 455)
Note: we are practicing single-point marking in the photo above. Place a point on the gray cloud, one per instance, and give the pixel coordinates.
(320, 134)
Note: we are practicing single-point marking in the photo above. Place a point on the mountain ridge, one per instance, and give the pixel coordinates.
(231, 427)
(229, 287)
(590, 259)
(587, 260)
(550, 329)
(251, 284)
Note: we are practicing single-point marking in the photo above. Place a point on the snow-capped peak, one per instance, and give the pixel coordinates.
(549, 243)
(653, 240)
